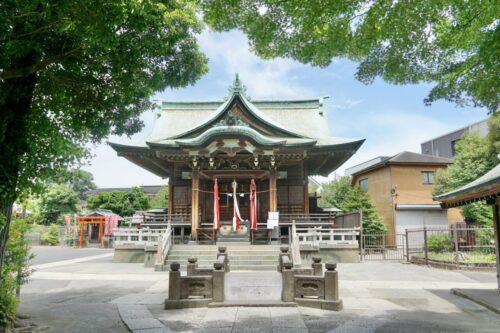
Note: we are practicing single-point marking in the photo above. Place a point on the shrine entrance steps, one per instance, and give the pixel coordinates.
(242, 257)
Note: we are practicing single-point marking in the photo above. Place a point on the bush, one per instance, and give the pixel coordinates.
(51, 237)
(15, 270)
(440, 243)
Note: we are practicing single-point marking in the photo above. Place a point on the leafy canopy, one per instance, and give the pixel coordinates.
(452, 43)
(474, 157)
(57, 201)
(341, 194)
(123, 203)
(81, 182)
(88, 69)
(160, 200)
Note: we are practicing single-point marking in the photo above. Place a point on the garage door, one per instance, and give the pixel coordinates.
(409, 219)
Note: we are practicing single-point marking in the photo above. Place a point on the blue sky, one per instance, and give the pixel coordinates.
(391, 118)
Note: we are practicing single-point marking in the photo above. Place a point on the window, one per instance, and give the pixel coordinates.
(427, 177)
(363, 183)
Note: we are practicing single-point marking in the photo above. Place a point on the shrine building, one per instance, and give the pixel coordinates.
(276, 143)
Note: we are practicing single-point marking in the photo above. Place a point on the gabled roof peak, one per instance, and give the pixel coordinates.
(237, 87)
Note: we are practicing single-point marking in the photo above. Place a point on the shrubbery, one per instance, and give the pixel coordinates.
(15, 270)
(440, 243)
(51, 237)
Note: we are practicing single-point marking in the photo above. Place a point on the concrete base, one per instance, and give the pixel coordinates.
(187, 303)
(128, 254)
(489, 298)
(250, 304)
(339, 253)
(150, 256)
(320, 304)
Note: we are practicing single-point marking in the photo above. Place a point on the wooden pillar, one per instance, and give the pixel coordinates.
(170, 198)
(273, 199)
(81, 233)
(496, 230)
(195, 183)
(306, 193)
(101, 234)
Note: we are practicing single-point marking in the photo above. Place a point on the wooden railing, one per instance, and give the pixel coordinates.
(134, 236)
(164, 245)
(317, 236)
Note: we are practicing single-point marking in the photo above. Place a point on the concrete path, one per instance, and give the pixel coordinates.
(94, 295)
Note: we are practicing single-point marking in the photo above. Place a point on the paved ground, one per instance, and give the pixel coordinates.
(69, 294)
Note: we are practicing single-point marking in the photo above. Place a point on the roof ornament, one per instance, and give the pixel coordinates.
(237, 87)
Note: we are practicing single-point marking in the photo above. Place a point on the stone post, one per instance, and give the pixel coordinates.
(331, 283)
(288, 281)
(317, 266)
(192, 266)
(283, 252)
(223, 252)
(218, 282)
(174, 282)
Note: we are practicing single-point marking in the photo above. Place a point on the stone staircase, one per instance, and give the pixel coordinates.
(242, 257)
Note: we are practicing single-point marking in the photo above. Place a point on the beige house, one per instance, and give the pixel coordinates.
(401, 189)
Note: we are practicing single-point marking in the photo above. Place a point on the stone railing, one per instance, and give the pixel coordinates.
(134, 236)
(164, 245)
(319, 236)
(310, 287)
(192, 266)
(195, 291)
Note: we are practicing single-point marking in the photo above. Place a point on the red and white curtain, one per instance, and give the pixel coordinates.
(236, 211)
(216, 206)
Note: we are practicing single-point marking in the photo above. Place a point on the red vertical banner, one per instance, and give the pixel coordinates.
(253, 205)
(216, 206)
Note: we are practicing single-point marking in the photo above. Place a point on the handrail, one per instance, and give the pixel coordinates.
(295, 246)
(164, 245)
(134, 236)
(318, 235)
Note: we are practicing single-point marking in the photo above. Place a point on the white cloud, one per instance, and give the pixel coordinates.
(391, 132)
(263, 78)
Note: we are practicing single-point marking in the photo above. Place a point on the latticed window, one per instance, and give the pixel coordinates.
(427, 177)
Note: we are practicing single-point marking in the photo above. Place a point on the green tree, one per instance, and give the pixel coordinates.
(160, 200)
(473, 159)
(76, 71)
(81, 182)
(51, 236)
(451, 43)
(341, 194)
(57, 201)
(123, 203)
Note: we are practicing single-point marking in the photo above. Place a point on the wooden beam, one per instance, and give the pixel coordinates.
(306, 192)
(496, 230)
(273, 200)
(195, 184)
(170, 197)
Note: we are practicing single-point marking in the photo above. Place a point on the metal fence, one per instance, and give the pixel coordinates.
(382, 246)
(457, 244)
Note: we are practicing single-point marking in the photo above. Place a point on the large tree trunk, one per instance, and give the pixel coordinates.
(16, 96)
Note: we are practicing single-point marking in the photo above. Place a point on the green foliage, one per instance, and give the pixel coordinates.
(73, 72)
(472, 160)
(57, 201)
(160, 200)
(439, 243)
(485, 238)
(452, 43)
(15, 270)
(123, 203)
(51, 237)
(341, 194)
(81, 182)
(494, 136)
